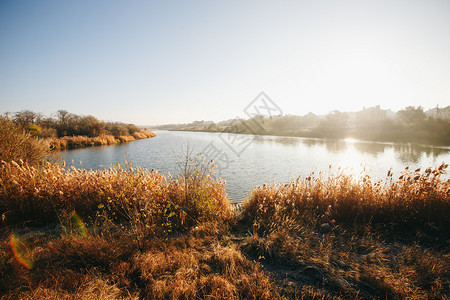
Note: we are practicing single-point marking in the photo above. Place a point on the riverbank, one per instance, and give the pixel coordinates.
(410, 125)
(74, 142)
(133, 233)
(366, 136)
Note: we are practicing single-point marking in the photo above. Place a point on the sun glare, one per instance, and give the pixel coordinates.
(350, 161)
(350, 140)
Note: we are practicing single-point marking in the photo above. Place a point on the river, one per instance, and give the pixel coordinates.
(245, 161)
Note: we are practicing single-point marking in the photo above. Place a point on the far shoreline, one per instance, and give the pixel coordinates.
(386, 142)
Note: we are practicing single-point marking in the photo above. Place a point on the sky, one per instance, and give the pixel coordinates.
(149, 63)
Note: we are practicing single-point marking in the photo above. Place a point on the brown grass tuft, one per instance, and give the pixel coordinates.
(18, 145)
(193, 269)
(416, 200)
(144, 199)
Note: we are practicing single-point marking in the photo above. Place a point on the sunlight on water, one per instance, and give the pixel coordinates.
(350, 140)
(351, 161)
(265, 158)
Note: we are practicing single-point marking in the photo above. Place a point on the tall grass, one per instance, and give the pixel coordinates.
(145, 198)
(173, 220)
(157, 237)
(415, 200)
(347, 236)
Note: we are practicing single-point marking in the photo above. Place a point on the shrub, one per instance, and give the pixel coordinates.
(16, 144)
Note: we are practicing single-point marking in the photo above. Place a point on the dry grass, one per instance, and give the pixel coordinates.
(386, 239)
(132, 246)
(120, 197)
(348, 265)
(201, 269)
(96, 267)
(143, 134)
(73, 142)
(18, 145)
(155, 237)
(416, 200)
(70, 267)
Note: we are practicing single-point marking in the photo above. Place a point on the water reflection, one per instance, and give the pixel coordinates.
(286, 141)
(266, 159)
(406, 153)
(409, 154)
(373, 149)
(435, 152)
(331, 145)
(334, 146)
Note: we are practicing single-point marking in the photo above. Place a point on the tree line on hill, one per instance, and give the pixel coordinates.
(64, 123)
(66, 131)
(411, 124)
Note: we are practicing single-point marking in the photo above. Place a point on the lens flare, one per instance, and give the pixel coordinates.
(21, 251)
(76, 220)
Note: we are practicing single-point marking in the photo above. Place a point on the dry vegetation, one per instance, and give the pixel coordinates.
(80, 141)
(69, 131)
(147, 236)
(351, 237)
(43, 195)
(132, 233)
(416, 200)
(154, 237)
(17, 144)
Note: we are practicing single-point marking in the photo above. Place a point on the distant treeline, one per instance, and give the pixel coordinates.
(411, 124)
(68, 130)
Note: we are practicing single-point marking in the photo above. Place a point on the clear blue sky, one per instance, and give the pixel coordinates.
(178, 61)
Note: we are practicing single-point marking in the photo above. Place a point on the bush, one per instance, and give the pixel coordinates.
(16, 144)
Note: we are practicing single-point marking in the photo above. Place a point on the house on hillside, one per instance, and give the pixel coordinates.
(370, 115)
(439, 113)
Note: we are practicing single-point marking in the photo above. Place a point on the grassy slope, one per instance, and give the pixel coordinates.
(148, 236)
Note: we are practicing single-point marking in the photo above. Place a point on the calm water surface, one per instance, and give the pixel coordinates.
(245, 161)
